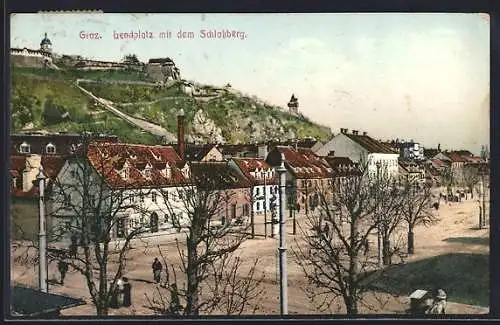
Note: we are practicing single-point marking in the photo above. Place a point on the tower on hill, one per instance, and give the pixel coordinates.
(46, 44)
(293, 105)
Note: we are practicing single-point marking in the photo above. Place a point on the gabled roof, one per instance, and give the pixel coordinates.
(194, 152)
(110, 158)
(304, 163)
(343, 166)
(250, 165)
(217, 176)
(30, 302)
(370, 144)
(455, 156)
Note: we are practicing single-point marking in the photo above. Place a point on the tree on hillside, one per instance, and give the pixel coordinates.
(336, 262)
(23, 106)
(87, 214)
(417, 209)
(131, 58)
(207, 278)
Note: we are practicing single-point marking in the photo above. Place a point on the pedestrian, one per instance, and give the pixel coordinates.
(439, 305)
(73, 247)
(157, 267)
(366, 245)
(63, 268)
(120, 284)
(113, 303)
(127, 288)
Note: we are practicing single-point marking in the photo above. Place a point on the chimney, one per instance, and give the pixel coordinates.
(365, 133)
(262, 149)
(180, 133)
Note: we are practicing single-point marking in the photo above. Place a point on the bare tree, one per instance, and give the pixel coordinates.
(339, 264)
(416, 208)
(207, 278)
(91, 206)
(471, 177)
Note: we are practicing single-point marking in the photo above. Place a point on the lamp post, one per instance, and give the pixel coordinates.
(42, 236)
(281, 171)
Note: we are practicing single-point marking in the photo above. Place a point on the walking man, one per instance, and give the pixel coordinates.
(63, 268)
(157, 267)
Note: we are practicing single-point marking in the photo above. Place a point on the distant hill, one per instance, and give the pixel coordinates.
(46, 99)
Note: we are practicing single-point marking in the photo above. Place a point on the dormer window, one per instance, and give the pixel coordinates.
(50, 149)
(126, 173)
(147, 173)
(24, 148)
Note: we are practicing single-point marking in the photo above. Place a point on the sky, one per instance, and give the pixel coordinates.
(421, 77)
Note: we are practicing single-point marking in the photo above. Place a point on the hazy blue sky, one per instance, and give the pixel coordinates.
(412, 76)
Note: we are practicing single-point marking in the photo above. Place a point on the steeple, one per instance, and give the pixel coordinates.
(293, 105)
(46, 44)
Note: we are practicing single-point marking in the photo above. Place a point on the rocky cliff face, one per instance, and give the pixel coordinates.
(205, 129)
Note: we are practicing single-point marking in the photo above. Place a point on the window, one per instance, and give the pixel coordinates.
(258, 206)
(50, 149)
(245, 210)
(126, 173)
(233, 211)
(132, 198)
(147, 173)
(67, 201)
(141, 197)
(181, 194)
(276, 189)
(24, 148)
(270, 190)
(257, 191)
(153, 196)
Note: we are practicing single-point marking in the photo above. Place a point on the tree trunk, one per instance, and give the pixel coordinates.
(192, 283)
(484, 205)
(351, 305)
(386, 251)
(411, 241)
(101, 309)
(480, 218)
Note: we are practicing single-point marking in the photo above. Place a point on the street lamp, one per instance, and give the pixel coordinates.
(281, 173)
(42, 235)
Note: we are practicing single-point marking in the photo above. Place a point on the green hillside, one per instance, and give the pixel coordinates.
(49, 100)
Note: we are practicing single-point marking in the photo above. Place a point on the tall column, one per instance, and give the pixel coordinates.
(42, 236)
(281, 171)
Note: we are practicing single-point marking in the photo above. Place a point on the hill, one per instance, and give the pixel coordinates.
(50, 100)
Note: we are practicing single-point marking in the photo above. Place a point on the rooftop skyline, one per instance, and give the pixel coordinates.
(414, 76)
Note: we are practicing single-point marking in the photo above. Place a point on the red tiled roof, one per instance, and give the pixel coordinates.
(304, 164)
(249, 165)
(455, 157)
(343, 166)
(218, 175)
(109, 159)
(371, 144)
(52, 165)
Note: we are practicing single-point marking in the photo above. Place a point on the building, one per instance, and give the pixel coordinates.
(293, 105)
(162, 69)
(411, 150)
(30, 302)
(308, 176)
(141, 187)
(45, 143)
(343, 169)
(202, 152)
(363, 149)
(263, 180)
(231, 191)
(410, 171)
(31, 58)
(24, 204)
